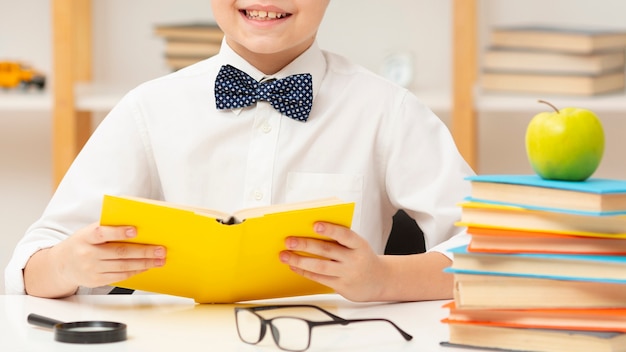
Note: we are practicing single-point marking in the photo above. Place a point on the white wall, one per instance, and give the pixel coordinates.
(24, 136)
(364, 30)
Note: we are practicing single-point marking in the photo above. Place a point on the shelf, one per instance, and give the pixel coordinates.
(437, 101)
(528, 103)
(102, 98)
(29, 101)
(98, 97)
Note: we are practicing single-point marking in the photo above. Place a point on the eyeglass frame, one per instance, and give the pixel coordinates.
(336, 320)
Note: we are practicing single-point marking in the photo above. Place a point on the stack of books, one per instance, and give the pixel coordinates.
(186, 44)
(557, 61)
(545, 269)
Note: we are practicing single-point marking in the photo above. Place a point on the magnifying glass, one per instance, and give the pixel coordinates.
(81, 331)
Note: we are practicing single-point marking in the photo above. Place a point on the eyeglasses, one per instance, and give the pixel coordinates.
(289, 333)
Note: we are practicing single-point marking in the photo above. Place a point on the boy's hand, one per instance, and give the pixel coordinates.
(352, 268)
(91, 257)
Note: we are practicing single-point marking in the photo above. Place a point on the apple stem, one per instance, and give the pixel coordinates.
(547, 103)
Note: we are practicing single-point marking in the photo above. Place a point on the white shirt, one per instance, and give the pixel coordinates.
(366, 140)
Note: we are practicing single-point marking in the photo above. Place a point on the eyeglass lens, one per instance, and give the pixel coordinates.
(249, 326)
(292, 334)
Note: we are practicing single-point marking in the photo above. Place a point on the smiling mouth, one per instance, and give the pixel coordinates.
(261, 15)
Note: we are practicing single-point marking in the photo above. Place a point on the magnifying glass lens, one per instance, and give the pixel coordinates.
(90, 332)
(90, 328)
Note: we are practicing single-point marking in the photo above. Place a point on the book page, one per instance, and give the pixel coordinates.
(199, 210)
(281, 208)
(240, 215)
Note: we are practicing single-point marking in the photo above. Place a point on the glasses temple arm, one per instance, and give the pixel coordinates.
(404, 334)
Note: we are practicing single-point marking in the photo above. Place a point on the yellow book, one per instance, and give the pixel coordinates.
(214, 257)
(479, 214)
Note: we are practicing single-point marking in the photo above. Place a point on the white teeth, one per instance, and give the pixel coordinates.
(264, 15)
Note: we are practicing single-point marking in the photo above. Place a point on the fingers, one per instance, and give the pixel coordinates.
(119, 257)
(308, 256)
(130, 258)
(129, 265)
(341, 234)
(317, 248)
(306, 265)
(104, 272)
(96, 234)
(98, 255)
(347, 264)
(121, 250)
(345, 241)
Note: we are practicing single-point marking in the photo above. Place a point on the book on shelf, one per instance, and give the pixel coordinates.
(596, 319)
(587, 267)
(497, 240)
(560, 39)
(533, 61)
(179, 48)
(554, 84)
(488, 291)
(595, 196)
(481, 214)
(214, 257)
(178, 62)
(196, 31)
(536, 340)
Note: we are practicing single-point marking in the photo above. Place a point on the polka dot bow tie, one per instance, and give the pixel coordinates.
(291, 96)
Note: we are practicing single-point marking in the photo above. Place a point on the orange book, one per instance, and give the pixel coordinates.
(499, 240)
(613, 319)
(479, 214)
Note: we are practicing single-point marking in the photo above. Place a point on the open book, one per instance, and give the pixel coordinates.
(215, 257)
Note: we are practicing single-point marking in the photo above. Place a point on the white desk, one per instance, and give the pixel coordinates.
(166, 323)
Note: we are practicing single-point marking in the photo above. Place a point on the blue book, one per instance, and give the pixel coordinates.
(577, 267)
(594, 196)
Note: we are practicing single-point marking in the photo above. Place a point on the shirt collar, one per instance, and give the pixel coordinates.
(311, 61)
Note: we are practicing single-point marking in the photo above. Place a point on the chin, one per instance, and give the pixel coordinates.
(266, 46)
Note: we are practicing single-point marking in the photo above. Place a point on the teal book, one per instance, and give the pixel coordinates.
(577, 267)
(594, 196)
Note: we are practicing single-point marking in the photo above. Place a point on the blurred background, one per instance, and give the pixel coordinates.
(401, 39)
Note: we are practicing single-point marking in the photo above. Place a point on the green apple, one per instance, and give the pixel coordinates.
(565, 144)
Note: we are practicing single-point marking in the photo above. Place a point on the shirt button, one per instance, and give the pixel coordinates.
(258, 195)
(266, 128)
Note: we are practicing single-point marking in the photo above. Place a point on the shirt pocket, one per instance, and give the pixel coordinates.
(303, 186)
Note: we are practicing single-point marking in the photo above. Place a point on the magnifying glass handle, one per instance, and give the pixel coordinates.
(42, 321)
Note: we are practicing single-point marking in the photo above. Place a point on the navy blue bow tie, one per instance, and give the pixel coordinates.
(291, 96)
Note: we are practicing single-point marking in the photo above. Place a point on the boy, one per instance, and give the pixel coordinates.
(185, 138)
